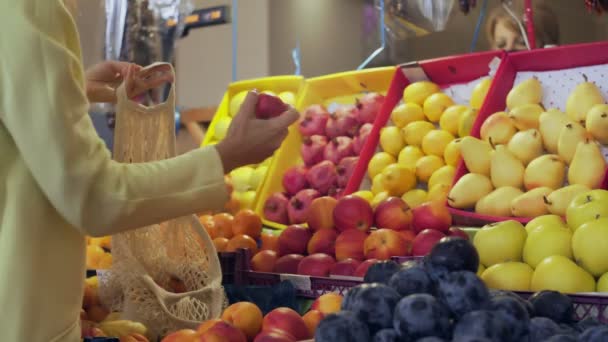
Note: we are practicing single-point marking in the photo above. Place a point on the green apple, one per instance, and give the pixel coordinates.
(546, 241)
(545, 220)
(500, 242)
(509, 276)
(590, 246)
(586, 207)
(561, 274)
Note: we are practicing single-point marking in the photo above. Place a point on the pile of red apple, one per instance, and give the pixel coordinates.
(346, 236)
(330, 148)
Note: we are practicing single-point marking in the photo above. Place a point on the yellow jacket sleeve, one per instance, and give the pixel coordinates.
(44, 108)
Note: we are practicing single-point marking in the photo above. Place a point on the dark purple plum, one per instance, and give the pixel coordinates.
(514, 313)
(463, 292)
(541, 328)
(553, 305)
(374, 305)
(454, 254)
(431, 339)
(342, 327)
(525, 303)
(594, 334)
(411, 281)
(561, 338)
(586, 323)
(479, 325)
(387, 335)
(381, 272)
(349, 297)
(421, 315)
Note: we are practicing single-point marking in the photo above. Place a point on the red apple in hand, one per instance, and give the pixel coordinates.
(382, 244)
(393, 213)
(353, 212)
(453, 231)
(431, 215)
(425, 241)
(269, 106)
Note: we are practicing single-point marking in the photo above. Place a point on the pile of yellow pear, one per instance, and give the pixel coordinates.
(531, 161)
(246, 180)
(420, 147)
(549, 253)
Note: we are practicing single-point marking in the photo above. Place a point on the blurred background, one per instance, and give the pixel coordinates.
(333, 35)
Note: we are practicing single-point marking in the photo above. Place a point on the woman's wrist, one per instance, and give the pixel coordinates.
(224, 150)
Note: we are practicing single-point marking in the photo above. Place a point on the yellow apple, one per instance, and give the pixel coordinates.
(561, 274)
(509, 276)
(500, 242)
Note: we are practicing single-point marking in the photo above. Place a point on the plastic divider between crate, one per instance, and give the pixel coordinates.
(445, 72)
(540, 60)
(340, 88)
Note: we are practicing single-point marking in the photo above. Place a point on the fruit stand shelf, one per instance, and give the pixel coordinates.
(236, 270)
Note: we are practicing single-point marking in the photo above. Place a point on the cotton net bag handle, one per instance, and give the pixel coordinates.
(145, 259)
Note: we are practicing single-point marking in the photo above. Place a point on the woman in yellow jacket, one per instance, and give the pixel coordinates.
(58, 182)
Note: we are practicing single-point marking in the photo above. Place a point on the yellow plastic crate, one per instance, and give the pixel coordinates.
(275, 84)
(340, 88)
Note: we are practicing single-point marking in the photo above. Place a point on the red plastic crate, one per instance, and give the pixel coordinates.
(445, 72)
(559, 58)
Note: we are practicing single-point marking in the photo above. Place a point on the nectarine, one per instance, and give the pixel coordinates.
(245, 316)
(223, 332)
(184, 335)
(264, 261)
(312, 319)
(287, 320)
(247, 222)
(274, 335)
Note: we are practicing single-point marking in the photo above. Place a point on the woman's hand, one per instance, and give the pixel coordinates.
(251, 140)
(102, 80)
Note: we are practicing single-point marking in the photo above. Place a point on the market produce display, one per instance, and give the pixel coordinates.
(344, 237)
(329, 151)
(439, 298)
(530, 161)
(568, 256)
(419, 149)
(244, 321)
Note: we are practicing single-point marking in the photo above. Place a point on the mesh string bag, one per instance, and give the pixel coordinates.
(177, 253)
